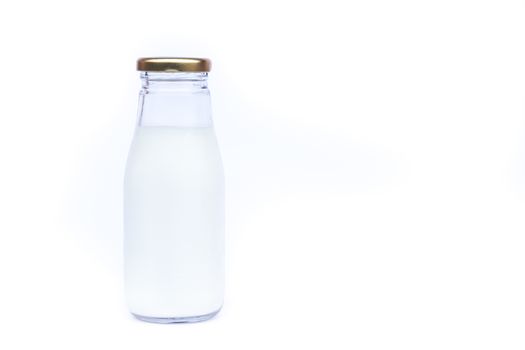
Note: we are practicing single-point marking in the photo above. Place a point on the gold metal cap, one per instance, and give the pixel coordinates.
(173, 64)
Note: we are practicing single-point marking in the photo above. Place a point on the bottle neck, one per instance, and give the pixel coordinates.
(174, 99)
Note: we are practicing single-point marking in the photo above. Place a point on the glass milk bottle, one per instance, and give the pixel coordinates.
(174, 197)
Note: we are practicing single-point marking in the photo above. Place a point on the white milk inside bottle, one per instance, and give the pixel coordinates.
(174, 202)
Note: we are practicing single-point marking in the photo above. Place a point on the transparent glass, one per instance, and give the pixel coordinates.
(175, 99)
(174, 203)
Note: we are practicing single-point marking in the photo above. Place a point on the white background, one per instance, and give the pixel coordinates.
(374, 155)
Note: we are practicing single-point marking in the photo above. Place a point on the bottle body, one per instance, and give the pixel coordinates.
(174, 207)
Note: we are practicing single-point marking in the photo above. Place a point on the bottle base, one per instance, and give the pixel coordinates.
(185, 319)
